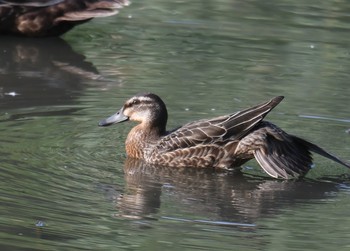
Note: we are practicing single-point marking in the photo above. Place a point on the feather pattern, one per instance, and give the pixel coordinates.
(224, 142)
(42, 18)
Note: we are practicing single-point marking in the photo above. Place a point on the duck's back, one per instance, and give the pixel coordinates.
(209, 142)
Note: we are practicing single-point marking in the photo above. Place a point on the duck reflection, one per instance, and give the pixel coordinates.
(41, 72)
(219, 196)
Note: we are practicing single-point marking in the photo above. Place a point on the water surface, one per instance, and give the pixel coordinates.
(66, 184)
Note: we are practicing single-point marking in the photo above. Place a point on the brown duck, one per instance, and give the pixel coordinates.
(42, 18)
(224, 142)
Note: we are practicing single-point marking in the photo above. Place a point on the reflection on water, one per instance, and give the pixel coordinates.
(64, 183)
(41, 72)
(233, 198)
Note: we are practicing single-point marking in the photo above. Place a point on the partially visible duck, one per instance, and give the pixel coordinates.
(42, 18)
(224, 142)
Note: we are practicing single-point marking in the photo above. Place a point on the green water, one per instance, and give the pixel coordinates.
(66, 184)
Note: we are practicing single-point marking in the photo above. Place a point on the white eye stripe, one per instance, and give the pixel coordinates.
(144, 99)
(140, 100)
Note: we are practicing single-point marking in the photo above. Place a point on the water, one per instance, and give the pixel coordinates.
(66, 184)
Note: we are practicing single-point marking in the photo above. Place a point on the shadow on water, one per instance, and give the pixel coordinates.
(226, 198)
(41, 72)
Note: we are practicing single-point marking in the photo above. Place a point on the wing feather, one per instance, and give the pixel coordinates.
(219, 130)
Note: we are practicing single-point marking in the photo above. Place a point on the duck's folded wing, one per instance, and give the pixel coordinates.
(221, 129)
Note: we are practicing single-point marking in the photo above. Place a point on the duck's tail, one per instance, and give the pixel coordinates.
(285, 156)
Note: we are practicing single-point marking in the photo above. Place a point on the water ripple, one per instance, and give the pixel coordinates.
(209, 222)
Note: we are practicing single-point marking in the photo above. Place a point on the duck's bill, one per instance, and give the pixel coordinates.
(114, 119)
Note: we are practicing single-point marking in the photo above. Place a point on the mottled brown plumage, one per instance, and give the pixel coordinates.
(224, 142)
(42, 18)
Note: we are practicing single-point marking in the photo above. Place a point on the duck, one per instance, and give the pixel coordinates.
(45, 18)
(221, 143)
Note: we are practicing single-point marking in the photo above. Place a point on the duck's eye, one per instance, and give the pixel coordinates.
(135, 102)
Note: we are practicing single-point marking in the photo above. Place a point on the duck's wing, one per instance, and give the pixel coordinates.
(282, 155)
(101, 8)
(217, 130)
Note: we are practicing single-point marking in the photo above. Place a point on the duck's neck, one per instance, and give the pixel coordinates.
(140, 140)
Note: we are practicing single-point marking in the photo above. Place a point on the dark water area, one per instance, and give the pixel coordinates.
(66, 184)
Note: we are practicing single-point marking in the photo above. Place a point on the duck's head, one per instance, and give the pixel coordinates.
(145, 108)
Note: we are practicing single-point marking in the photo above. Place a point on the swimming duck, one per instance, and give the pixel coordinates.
(42, 18)
(224, 142)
